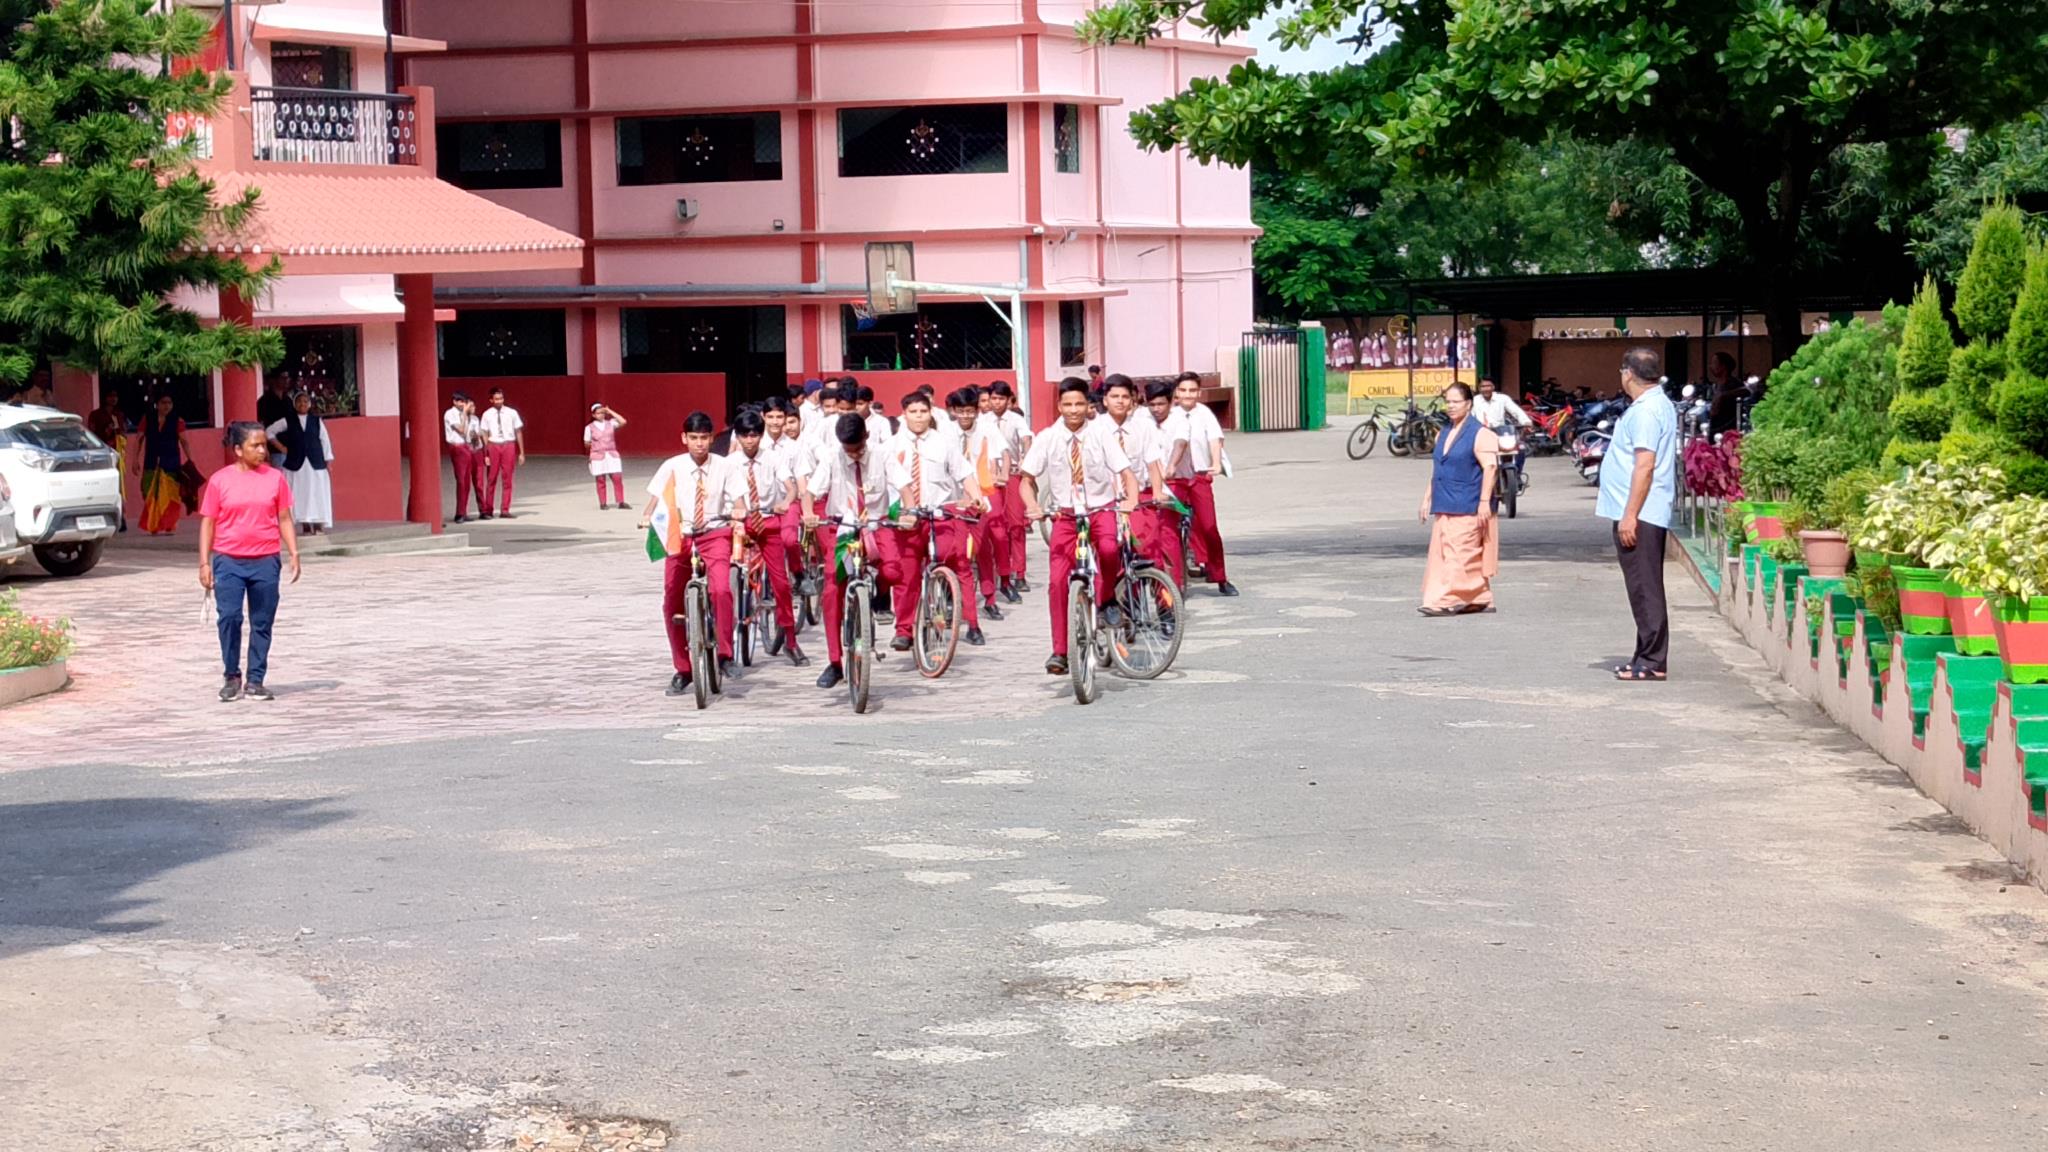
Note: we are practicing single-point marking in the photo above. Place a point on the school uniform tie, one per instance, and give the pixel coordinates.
(860, 495)
(753, 492)
(917, 472)
(1080, 477)
(698, 523)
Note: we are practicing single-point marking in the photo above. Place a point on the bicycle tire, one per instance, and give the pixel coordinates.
(1509, 485)
(1362, 441)
(811, 606)
(1145, 642)
(935, 636)
(742, 617)
(1081, 641)
(763, 596)
(703, 662)
(859, 643)
(1397, 438)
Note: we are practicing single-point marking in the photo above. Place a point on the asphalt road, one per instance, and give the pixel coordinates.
(1357, 880)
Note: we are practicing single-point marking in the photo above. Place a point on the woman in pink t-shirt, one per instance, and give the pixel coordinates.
(245, 522)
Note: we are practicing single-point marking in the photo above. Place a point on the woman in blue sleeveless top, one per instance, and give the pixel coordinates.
(1463, 553)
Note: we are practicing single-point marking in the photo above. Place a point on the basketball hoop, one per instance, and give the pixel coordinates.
(863, 317)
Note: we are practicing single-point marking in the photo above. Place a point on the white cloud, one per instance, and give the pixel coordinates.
(1320, 56)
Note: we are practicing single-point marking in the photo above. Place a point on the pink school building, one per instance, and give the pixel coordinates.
(725, 163)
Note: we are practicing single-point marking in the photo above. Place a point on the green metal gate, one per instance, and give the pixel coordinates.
(1280, 380)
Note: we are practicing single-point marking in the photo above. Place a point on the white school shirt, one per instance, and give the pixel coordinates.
(1141, 442)
(1198, 426)
(880, 431)
(455, 427)
(833, 475)
(501, 425)
(985, 446)
(685, 471)
(1050, 460)
(810, 410)
(769, 473)
(945, 470)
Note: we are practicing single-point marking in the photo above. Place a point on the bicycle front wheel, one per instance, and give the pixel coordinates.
(703, 661)
(937, 634)
(859, 644)
(743, 617)
(1081, 642)
(1363, 439)
(1147, 638)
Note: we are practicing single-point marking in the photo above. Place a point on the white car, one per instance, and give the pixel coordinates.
(64, 483)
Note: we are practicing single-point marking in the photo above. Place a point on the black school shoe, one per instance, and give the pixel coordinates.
(975, 637)
(831, 676)
(678, 685)
(796, 655)
(991, 611)
(1057, 666)
(900, 644)
(1225, 588)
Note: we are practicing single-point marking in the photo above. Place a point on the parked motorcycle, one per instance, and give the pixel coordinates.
(1590, 448)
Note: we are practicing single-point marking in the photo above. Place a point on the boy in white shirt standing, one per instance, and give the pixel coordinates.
(692, 494)
(1017, 439)
(983, 444)
(1197, 460)
(505, 436)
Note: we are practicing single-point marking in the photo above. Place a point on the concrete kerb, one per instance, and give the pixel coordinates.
(1994, 804)
(19, 684)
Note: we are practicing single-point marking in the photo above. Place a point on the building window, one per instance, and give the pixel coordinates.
(1073, 333)
(700, 149)
(724, 340)
(191, 397)
(924, 141)
(506, 342)
(504, 154)
(937, 337)
(1066, 137)
(322, 362)
(312, 66)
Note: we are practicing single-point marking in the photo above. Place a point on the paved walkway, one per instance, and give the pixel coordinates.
(1354, 879)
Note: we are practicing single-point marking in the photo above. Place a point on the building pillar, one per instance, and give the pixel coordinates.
(419, 399)
(240, 384)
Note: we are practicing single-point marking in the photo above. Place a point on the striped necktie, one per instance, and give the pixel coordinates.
(1080, 476)
(917, 471)
(698, 523)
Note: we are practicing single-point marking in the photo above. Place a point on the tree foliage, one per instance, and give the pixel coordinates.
(2026, 338)
(1755, 98)
(1991, 280)
(1926, 343)
(100, 217)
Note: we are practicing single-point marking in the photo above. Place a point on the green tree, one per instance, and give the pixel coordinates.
(2026, 338)
(1991, 280)
(1926, 344)
(100, 218)
(1756, 98)
(2008, 162)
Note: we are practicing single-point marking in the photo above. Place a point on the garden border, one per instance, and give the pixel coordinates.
(19, 684)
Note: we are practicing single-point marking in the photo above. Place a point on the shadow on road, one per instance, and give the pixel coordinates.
(68, 865)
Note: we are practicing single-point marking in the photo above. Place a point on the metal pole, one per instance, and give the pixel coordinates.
(1020, 343)
(227, 29)
(1407, 355)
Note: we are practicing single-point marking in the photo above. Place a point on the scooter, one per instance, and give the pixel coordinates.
(1589, 448)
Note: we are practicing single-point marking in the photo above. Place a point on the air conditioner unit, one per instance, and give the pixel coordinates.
(686, 209)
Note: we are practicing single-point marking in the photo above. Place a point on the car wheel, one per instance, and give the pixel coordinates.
(73, 559)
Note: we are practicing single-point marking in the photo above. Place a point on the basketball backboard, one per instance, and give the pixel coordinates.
(886, 257)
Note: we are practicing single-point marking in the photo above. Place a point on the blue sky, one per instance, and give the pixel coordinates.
(1320, 56)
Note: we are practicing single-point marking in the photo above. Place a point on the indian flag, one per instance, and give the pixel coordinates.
(665, 527)
(839, 548)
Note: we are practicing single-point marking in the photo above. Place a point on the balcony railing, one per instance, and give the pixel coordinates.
(319, 126)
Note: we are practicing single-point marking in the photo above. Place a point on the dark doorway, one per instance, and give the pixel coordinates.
(746, 345)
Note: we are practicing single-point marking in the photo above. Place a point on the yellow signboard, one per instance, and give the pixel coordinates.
(1391, 383)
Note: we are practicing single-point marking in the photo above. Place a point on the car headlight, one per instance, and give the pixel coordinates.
(37, 459)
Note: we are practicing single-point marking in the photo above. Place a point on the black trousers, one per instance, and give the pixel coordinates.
(1642, 573)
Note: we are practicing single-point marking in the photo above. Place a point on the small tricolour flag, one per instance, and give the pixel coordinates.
(846, 537)
(656, 553)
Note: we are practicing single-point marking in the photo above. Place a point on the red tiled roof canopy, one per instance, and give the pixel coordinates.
(384, 221)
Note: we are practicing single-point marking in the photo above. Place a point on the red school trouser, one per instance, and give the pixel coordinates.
(1108, 563)
(1199, 494)
(1157, 531)
(675, 577)
(991, 549)
(776, 555)
(464, 460)
(1013, 511)
(827, 539)
(618, 485)
(504, 461)
(906, 567)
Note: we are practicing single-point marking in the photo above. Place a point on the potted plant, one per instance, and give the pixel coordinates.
(1911, 521)
(32, 652)
(2003, 551)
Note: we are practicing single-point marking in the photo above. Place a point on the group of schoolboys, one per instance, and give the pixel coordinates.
(805, 470)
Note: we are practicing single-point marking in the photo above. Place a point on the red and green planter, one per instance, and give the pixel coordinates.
(2021, 627)
(1923, 600)
(1970, 620)
(1762, 519)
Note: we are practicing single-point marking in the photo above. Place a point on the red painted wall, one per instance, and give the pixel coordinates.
(365, 471)
(556, 408)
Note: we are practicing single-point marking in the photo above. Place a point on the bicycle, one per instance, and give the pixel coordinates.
(1146, 635)
(857, 626)
(1081, 642)
(935, 634)
(700, 624)
(1415, 425)
(753, 600)
(1367, 435)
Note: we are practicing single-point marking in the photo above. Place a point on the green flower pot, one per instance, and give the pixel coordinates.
(2022, 630)
(1751, 553)
(1923, 601)
(1868, 561)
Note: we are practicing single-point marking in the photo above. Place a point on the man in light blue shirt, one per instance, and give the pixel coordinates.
(1638, 486)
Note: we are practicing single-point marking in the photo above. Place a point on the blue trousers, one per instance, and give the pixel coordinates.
(254, 578)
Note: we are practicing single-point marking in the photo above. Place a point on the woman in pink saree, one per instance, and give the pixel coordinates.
(1464, 553)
